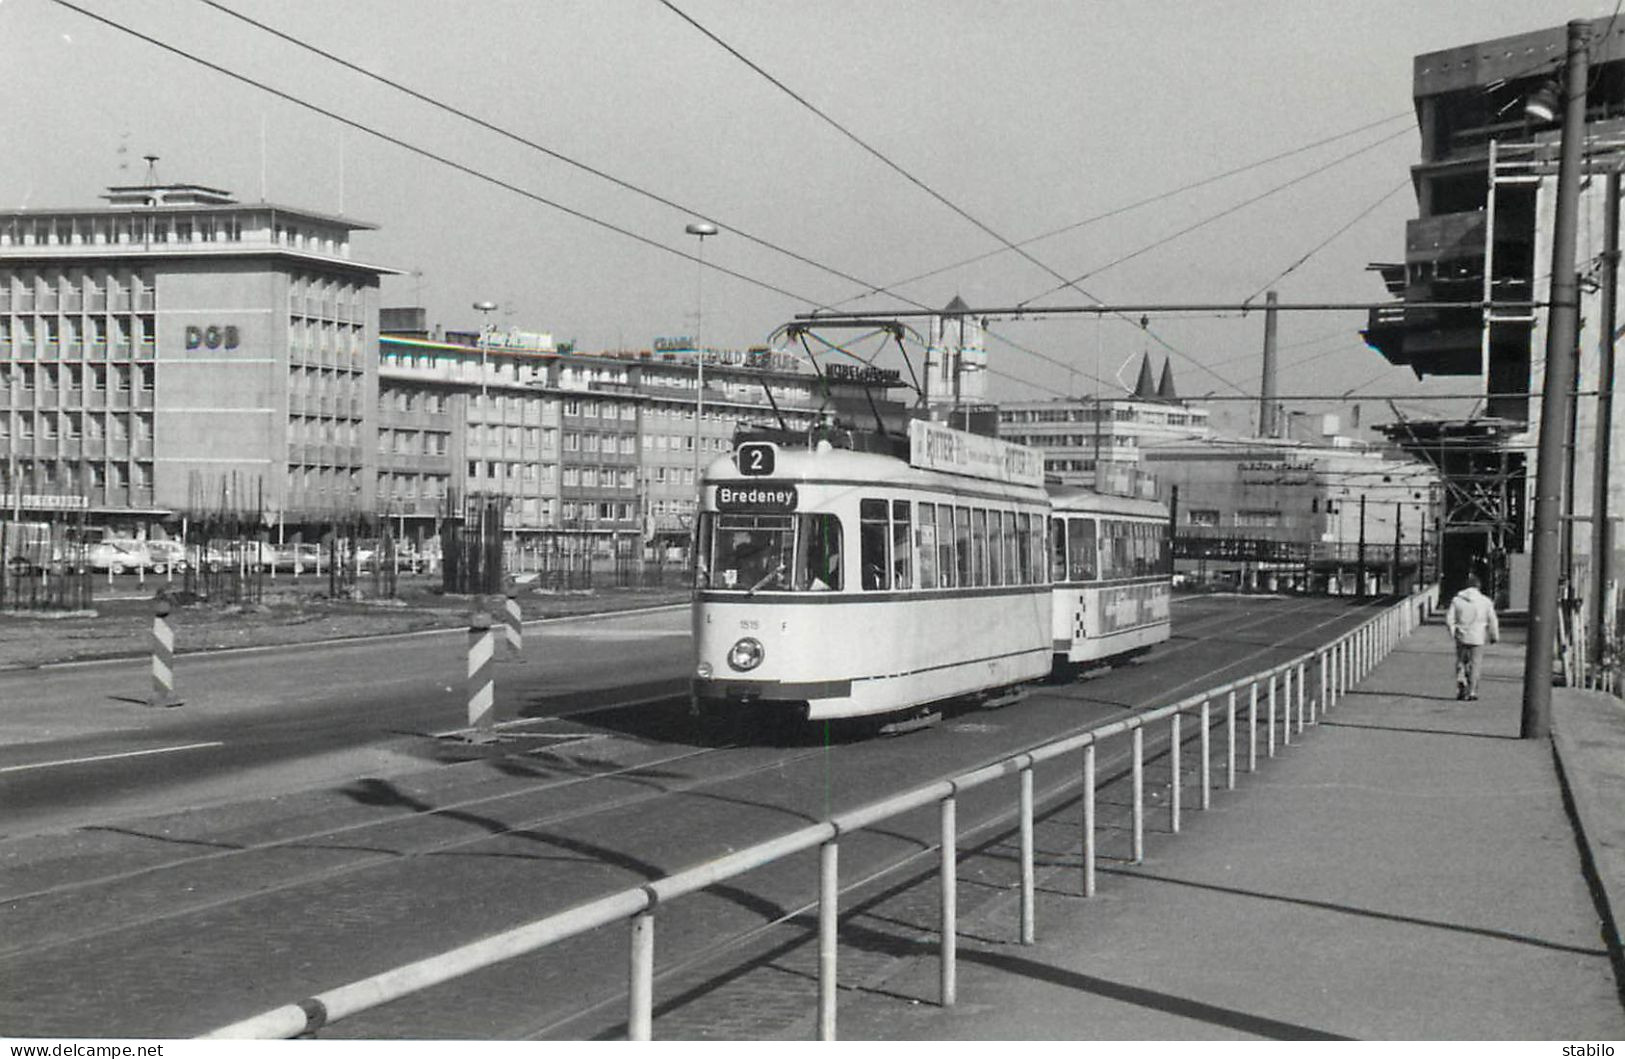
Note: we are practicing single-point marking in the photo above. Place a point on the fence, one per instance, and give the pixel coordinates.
(1337, 666)
(44, 566)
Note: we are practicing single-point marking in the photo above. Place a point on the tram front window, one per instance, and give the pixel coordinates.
(752, 551)
(819, 549)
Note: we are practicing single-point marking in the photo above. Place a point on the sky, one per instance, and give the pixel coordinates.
(967, 125)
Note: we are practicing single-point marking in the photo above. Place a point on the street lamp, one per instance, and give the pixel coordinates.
(699, 229)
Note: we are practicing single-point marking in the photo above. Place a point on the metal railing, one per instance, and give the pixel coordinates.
(1338, 665)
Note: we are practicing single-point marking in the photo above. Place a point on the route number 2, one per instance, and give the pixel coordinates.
(756, 458)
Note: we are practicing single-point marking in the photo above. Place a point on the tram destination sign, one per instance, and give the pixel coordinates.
(934, 447)
(757, 498)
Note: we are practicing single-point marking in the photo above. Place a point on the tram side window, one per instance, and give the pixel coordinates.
(874, 539)
(979, 543)
(1024, 531)
(1080, 553)
(1039, 545)
(945, 546)
(902, 543)
(1012, 566)
(1057, 549)
(964, 552)
(819, 545)
(995, 549)
(752, 551)
(927, 539)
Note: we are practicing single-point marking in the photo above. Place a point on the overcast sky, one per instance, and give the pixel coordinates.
(1027, 116)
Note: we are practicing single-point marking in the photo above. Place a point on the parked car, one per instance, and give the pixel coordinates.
(297, 558)
(167, 556)
(115, 555)
(249, 554)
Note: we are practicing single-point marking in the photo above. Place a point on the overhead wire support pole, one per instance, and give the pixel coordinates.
(1602, 548)
(1561, 329)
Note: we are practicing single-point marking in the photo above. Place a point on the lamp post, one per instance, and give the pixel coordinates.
(1561, 328)
(699, 229)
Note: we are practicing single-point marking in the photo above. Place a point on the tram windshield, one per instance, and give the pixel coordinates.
(775, 553)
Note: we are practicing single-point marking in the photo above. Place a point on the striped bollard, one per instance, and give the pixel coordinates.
(163, 659)
(481, 691)
(512, 630)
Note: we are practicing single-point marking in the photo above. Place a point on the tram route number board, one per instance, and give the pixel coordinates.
(757, 459)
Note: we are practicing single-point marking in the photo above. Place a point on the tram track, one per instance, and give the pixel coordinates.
(362, 829)
(1052, 799)
(234, 911)
(394, 857)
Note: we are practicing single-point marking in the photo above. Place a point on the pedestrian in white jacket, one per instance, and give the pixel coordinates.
(1472, 624)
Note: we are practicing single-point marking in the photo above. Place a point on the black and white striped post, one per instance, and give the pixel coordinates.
(163, 659)
(481, 689)
(513, 632)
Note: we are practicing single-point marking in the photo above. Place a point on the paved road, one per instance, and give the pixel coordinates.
(173, 923)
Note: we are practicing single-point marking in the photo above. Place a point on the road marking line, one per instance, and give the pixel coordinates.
(109, 757)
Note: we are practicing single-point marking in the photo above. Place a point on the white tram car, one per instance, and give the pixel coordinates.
(1110, 573)
(837, 583)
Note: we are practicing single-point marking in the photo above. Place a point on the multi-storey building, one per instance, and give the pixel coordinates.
(176, 351)
(1102, 441)
(592, 450)
(1332, 509)
(1486, 194)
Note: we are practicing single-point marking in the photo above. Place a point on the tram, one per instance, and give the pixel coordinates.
(834, 583)
(1110, 570)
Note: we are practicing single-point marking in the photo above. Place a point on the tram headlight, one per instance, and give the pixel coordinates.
(746, 654)
(703, 670)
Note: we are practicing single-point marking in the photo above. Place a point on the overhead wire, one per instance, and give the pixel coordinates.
(1117, 211)
(1212, 218)
(534, 145)
(559, 156)
(895, 167)
(1356, 219)
(426, 153)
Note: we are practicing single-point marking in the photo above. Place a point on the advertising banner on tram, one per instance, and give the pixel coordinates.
(934, 447)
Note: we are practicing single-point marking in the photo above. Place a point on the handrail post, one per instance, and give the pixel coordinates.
(1303, 694)
(1139, 794)
(1028, 912)
(950, 911)
(640, 994)
(1321, 701)
(829, 896)
(1270, 717)
(1286, 706)
(1089, 820)
(1230, 745)
(1252, 727)
(1173, 764)
(1207, 766)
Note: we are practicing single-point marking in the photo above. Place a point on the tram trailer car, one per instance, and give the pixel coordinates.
(839, 583)
(1111, 571)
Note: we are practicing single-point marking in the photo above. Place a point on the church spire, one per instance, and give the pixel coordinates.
(1165, 388)
(1146, 388)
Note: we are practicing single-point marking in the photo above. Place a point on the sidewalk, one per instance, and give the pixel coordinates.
(1405, 870)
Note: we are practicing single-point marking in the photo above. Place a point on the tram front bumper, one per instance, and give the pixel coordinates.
(733, 690)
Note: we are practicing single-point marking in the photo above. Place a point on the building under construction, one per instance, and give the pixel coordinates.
(1486, 190)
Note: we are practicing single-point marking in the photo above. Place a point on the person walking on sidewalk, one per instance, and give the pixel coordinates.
(1472, 624)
